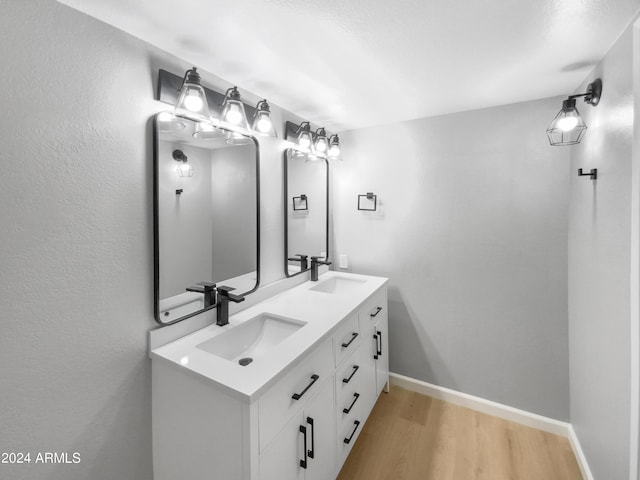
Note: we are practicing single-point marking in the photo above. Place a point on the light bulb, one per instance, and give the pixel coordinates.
(193, 101)
(234, 116)
(321, 145)
(334, 151)
(568, 123)
(263, 123)
(305, 140)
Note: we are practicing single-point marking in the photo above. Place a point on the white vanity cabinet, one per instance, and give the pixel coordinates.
(374, 323)
(216, 420)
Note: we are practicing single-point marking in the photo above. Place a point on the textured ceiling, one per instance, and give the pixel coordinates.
(347, 64)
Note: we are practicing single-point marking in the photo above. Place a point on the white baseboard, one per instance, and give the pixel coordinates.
(500, 410)
(580, 457)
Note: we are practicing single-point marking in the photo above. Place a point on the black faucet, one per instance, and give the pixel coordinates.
(222, 306)
(315, 261)
(207, 289)
(298, 257)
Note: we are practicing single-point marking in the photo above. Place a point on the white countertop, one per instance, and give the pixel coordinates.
(321, 312)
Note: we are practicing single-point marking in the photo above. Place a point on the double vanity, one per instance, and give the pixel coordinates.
(281, 392)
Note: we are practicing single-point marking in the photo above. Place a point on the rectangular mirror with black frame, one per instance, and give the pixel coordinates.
(206, 215)
(306, 219)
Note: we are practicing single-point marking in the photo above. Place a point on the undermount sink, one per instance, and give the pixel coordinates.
(252, 338)
(337, 284)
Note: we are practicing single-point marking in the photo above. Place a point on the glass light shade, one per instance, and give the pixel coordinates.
(567, 127)
(233, 109)
(262, 124)
(236, 138)
(305, 140)
(321, 145)
(193, 100)
(185, 169)
(169, 123)
(206, 131)
(334, 147)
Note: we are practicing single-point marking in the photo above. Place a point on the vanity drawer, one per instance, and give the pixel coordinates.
(346, 339)
(286, 397)
(348, 378)
(349, 427)
(374, 310)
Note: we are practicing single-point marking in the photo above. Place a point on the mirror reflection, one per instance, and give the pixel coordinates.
(307, 207)
(206, 215)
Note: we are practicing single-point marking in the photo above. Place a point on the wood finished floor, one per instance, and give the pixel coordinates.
(414, 437)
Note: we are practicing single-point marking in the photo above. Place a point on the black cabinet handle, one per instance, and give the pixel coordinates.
(298, 396)
(375, 337)
(378, 310)
(310, 452)
(356, 396)
(348, 440)
(348, 379)
(379, 352)
(303, 431)
(354, 335)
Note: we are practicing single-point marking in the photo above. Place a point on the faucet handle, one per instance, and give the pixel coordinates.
(202, 287)
(321, 262)
(224, 291)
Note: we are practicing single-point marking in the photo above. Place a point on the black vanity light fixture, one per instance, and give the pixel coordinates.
(262, 124)
(304, 137)
(185, 169)
(321, 144)
(334, 147)
(567, 127)
(313, 145)
(233, 109)
(191, 100)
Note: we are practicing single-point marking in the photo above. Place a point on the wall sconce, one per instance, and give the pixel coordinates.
(262, 124)
(186, 94)
(192, 98)
(334, 147)
(185, 169)
(567, 127)
(233, 109)
(321, 145)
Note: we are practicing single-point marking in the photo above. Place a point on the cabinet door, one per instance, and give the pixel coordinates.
(281, 460)
(320, 423)
(368, 369)
(305, 448)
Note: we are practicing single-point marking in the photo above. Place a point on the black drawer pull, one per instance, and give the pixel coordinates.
(348, 440)
(355, 399)
(348, 379)
(354, 335)
(298, 396)
(303, 431)
(378, 310)
(379, 352)
(310, 422)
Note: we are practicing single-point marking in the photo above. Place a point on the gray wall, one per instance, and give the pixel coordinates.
(472, 231)
(599, 270)
(76, 257)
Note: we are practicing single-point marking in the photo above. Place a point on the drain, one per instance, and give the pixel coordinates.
(245, 361)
